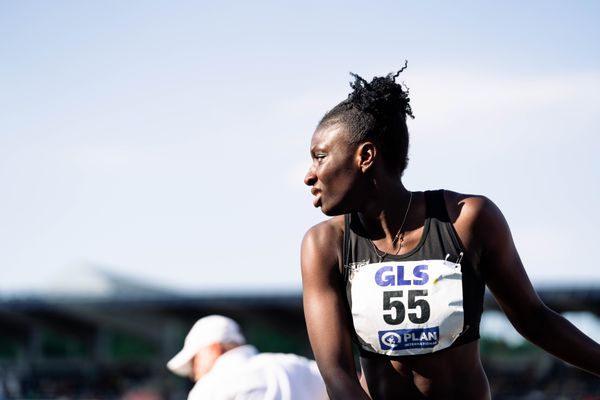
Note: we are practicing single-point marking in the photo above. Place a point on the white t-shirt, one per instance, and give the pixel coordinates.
(243, 374)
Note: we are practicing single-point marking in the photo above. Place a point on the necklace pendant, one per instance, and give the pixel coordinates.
(398, 238)
(399, 246)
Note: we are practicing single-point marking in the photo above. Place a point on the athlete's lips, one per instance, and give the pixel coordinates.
(317, 193)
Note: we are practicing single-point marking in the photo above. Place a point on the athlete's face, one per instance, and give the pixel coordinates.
(334, 170)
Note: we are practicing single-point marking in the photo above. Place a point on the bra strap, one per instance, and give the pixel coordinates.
(346, 247)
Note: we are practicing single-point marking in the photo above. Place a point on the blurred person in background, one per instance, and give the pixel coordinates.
(402, 273)
(215, 355)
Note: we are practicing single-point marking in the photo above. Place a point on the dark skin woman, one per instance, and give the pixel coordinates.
(400, 274)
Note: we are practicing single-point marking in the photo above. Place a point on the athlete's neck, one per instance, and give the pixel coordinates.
(383, 215)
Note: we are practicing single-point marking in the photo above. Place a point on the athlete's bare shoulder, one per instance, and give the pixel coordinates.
(321, 245)
(330, 231)
(470, 208)
(476, 219)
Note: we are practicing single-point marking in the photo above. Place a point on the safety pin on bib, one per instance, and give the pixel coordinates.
(457, 263)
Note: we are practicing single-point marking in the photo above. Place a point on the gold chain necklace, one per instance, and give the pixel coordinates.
(399, 238)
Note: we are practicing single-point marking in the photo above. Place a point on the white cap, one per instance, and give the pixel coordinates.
(206, 331)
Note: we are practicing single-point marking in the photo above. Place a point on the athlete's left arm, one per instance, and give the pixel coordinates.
(506, 278)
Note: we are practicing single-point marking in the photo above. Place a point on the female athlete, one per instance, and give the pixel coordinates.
(401, 274)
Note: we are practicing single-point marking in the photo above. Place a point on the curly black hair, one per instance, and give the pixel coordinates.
(376, 111)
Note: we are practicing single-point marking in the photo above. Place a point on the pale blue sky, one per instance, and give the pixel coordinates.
(167, 140)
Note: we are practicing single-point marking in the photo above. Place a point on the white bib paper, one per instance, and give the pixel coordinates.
(406, 307)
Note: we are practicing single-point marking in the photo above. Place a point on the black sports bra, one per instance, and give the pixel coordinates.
(416, 303)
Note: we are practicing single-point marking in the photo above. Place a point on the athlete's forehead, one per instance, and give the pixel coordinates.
(328, 137)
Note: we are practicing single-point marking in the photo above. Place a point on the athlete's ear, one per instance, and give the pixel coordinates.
(366, 153)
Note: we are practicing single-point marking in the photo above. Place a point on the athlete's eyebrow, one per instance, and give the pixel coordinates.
(316, 149)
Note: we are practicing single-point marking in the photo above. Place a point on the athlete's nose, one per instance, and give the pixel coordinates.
(310, 178)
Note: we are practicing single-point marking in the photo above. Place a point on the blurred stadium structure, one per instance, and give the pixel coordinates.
(97, 335)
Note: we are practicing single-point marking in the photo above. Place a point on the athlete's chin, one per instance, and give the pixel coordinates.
(327, 212)
(331, 211)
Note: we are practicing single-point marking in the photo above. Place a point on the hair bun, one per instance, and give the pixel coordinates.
(381, 95)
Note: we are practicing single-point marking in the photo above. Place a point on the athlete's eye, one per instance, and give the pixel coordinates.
(319, 156)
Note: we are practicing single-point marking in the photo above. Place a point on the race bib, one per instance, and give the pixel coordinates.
(406, 307)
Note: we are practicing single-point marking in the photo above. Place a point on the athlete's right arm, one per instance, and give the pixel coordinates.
(325, 310)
